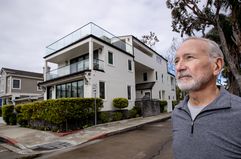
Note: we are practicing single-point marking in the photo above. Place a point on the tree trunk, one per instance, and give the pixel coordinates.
(228, 56)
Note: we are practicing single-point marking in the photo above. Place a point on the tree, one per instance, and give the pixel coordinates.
(170, 55)
(150, 40)
(213, 34)
(190, 16)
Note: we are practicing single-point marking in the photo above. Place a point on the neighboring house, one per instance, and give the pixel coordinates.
(92, 62)
(18, 86)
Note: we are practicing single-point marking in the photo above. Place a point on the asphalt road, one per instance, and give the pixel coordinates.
(152, 141)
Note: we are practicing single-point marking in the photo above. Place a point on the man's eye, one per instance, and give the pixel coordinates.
(189, 57)
(175, 61)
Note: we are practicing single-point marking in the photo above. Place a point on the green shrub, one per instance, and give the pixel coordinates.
(120, 103)
(138, 110)
(59, 114)
(13, 119)
(8, 114)
(0, 111)
(132, 113)
(116, 116)
(174, 103)
(163, 104)
(105, 117)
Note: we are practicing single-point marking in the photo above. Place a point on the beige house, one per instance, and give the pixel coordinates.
(19, 86)
(92, 62)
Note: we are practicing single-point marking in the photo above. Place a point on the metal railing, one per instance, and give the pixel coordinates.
(88, 29)
(74, 68)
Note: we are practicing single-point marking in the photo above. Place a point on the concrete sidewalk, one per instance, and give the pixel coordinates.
(30, 141)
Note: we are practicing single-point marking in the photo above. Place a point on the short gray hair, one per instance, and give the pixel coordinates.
(214, 49)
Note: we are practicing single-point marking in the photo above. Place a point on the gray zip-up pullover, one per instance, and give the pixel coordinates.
(215, 133)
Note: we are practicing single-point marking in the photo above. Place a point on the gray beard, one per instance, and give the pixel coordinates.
(194, 84)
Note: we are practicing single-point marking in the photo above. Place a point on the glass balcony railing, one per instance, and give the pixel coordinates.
(74, 68)
(88, 29)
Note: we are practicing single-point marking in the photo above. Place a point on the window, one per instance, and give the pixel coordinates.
(58, 91)
(145, 76)
(80, 88)
(68, 90)
(160, 95)
(172, 84)
(156, 76)
(110, 58)
(63, 90)
(129, 65)
(163, 95)
(49, 92)
(162, 78)
(16, 84)
(102, 90)
(72, 89)
(129, 92)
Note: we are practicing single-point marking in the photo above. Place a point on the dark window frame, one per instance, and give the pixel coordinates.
(110, 58)
(129, 65)
(145, 76)
(129, 92)
(102, 90)
(14, 85)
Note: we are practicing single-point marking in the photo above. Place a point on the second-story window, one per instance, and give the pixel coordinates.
(129, 65)
(110, 58)
(16, 84)
(145, 76)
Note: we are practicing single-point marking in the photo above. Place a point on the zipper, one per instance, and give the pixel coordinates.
(192, 124)
(192, 127)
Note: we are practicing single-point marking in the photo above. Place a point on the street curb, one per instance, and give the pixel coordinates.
(13, 145)
(101, 136)
(7, 140)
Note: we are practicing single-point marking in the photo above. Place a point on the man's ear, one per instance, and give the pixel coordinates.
(218, 65)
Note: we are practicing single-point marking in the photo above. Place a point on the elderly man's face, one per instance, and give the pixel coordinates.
(194, 68)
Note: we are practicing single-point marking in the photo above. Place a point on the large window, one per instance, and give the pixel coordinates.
(16, 84)
(102, 90)
(110, 58)
(72, 89)
(79, 63)
(129, 92)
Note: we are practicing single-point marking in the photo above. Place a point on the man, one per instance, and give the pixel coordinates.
(207, 123)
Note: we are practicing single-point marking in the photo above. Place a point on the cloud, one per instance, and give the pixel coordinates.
(27, 27)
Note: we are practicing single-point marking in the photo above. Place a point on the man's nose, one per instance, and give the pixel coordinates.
(180, 66)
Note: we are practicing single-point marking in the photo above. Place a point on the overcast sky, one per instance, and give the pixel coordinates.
(28, 26)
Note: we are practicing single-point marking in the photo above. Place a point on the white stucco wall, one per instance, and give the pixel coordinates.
(116, 77)
(162, 84)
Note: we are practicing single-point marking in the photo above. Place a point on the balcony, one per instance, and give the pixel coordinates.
(74, 68)
(88, 29)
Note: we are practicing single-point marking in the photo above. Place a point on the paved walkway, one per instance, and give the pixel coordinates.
(30, 141)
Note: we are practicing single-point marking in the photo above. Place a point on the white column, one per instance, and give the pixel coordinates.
(45, 70)
(90, 54)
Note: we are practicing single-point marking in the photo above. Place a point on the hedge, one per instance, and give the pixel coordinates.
(120, 103)
(58, 114)
(8, 114)
(116, 116)
(174, 103)
(163, 103)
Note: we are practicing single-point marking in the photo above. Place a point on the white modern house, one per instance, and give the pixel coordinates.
(91, 62)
